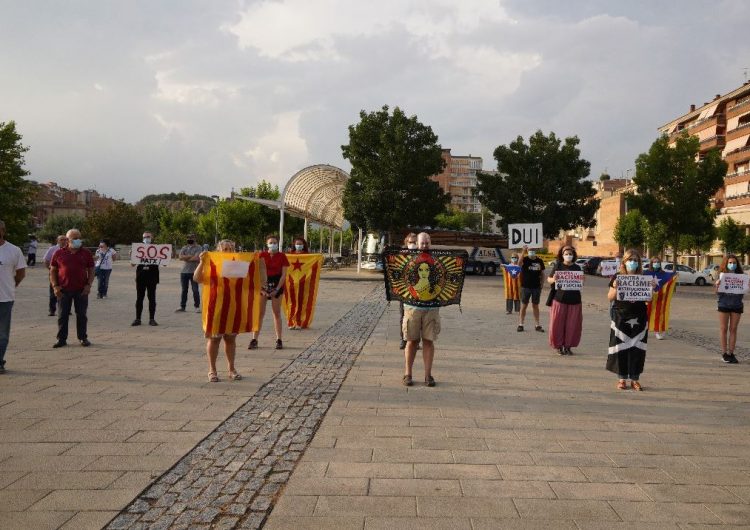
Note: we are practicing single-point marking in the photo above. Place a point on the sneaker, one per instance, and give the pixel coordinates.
(60, 344)
(726, 357)
(539, 328)
(520, 327)
(659, 336)
(560, 351)
(253, 345)
(568, 351)
(51, 314)
(85, 343)
(136, 322)
(402, 345)
(152, 322)
(279, 344)
(733, 359)
(180, 310)
(197, 309)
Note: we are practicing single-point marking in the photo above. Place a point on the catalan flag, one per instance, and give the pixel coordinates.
(512, 282)
(301, 288)
(659, 307)
(231, 293)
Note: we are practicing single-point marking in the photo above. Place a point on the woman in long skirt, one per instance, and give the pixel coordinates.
(566, 314)
(628, 330)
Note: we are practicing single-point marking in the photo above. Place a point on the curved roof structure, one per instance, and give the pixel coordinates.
(315, 193)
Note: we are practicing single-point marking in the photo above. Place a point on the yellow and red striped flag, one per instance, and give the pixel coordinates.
(512, 282)
(301, 288)
(661, 302)
(231, 293)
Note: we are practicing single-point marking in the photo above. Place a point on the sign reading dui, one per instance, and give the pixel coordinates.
(569, 280)
(634, 288)
(733, 283)
(530, 235)
(143, 254)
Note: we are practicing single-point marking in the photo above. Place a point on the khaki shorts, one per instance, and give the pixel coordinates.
(421, 323)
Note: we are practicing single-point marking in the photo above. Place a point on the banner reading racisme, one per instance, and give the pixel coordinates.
(432, 278)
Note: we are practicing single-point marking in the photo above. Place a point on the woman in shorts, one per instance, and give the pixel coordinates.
(730, 311)
(212, 341)
(276, 267)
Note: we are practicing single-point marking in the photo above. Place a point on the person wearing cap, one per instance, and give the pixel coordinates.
(190, 255)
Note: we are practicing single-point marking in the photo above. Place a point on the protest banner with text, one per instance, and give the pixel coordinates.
(569, 280)
(634, 288)
(529, 235)
(733, 283)
(152, 254)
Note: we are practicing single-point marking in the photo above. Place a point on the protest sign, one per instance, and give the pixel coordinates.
(634, 288)
(530, 235)
(569, 280)
(733, 283)
(609, 268)
(143, 254)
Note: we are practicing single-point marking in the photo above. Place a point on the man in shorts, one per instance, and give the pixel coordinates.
(420, 323)
(532, 279)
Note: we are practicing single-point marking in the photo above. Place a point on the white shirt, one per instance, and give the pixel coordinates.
(50, 252)
(11, 259)
(104, 259)
(32, 246)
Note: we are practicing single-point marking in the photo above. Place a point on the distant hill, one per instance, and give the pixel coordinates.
(174, 201)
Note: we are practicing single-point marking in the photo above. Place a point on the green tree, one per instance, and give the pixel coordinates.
(674, 187)
(120, 223)
(732, 235)
(458, 220)
(656, 238)
(174, 226)
(540, 182)
(630, 230)
(16, 192)
(59, 224)
(392, 158)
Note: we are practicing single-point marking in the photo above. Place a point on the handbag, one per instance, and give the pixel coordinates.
(551, 296)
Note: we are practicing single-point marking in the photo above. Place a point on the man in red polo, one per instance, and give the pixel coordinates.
(71, 274)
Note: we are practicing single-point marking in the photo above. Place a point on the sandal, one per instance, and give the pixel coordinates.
(234, 376)
(622, 385)
(406, 380)
(212, 377)
(635, 385)
(253, 345)
(430, 381)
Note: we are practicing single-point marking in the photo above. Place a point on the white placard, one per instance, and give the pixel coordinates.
(530, 235)
(609, 268)
(234, 269)
(634, 288)
(569, 280)
(733, 283)
(152, 254)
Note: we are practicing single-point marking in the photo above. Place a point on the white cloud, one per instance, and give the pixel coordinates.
(280, 153)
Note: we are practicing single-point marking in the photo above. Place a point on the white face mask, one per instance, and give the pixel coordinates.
(567, 258)
(273, 247)
(299, 247)
(532, 253)
(147, 240)
(411, 246)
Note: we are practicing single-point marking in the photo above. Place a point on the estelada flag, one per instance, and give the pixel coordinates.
(231, 293)
(661, 301)
(301, 288)
(512, 282)
(425, 278)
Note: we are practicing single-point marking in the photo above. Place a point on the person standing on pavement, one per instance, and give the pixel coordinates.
(146, 280)
(410, 242)
(659, 306)
(190, 254)
(276, 267)
(72, 273)
(512, 284)
(730, 308)
(62, 242)
(299, 246)
(31, 253)
(628, 336)
(532, 275)
(103, 258)
(566, 313)
(420, 323)
(212, 341)
(12, 273)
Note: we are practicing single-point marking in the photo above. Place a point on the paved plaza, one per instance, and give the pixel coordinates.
(129, 434)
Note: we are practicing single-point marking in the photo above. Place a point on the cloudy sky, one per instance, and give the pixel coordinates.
(146, 96)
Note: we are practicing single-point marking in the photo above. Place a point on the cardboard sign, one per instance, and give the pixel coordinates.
(569, 280)
(234, 269)
(609, 268)
(143, 254)
(530, 235)
(634, 288)
(733, 283)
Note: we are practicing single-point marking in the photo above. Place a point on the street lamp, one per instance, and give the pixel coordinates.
(216, 216)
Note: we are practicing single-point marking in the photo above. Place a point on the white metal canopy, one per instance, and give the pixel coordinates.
(314, 193)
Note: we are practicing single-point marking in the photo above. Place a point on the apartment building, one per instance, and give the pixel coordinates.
(51, 199)
(459, 178)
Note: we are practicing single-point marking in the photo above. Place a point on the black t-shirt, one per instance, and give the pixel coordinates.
(568, 297)
(147, 274)
(531, 273)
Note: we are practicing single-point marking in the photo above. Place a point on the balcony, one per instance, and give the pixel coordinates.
(695, 124)
(741, 104)
(738, 131)
(737, 174)
(738, 155)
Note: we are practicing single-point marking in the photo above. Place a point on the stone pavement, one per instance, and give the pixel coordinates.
(513, 436)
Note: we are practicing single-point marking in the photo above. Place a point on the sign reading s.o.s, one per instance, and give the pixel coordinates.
(529, 235)
(143, 254)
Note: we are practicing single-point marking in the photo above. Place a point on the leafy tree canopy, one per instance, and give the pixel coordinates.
(392, 158)
(458, 220)
(57, 225)
(630, 230)
(15, 192)
(732, 235)
(540, 182)
(121, 223)
(174, 197)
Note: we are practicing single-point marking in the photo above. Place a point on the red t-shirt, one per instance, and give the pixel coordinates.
(72, 268)
(274, 262)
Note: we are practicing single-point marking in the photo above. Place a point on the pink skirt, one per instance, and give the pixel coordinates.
(565, 324)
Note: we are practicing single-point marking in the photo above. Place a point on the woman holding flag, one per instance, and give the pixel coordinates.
(512, 284)
(661, 302)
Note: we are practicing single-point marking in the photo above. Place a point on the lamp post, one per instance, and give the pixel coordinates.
(216, 219)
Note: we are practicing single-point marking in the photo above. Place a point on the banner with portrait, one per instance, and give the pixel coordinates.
(432, 278)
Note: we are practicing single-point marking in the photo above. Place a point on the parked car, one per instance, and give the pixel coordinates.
(687, 275)
(712, 272)
(591, 265)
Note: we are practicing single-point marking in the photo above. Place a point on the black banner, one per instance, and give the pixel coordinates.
(432, 278)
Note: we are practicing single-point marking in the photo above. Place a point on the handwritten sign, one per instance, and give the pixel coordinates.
(234, 269)
(609, 268)
(520, 235)
(569, 280)
(143, 254)
(733, 283)
(634, 288)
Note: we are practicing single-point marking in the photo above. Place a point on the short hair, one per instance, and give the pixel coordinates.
(408, 237)
(424, 235)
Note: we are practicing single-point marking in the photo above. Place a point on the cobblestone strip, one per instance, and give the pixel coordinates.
(232, 478)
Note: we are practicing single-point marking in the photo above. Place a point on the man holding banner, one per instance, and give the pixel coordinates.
(147, 275)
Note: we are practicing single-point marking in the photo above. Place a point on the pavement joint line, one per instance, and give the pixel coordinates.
(234, 476)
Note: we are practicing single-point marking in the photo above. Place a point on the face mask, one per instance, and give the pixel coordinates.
(532, 254)
(631, 265)
(190, 241)
(147, 240)
(411, 246)
(299, 247)
(514, 259)
(568, 258)
(731, 266)
(273, 247)
(76, 243)
(656, 266)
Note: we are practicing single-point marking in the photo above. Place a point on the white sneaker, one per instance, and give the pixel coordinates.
(197, 309)
(660, 336)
